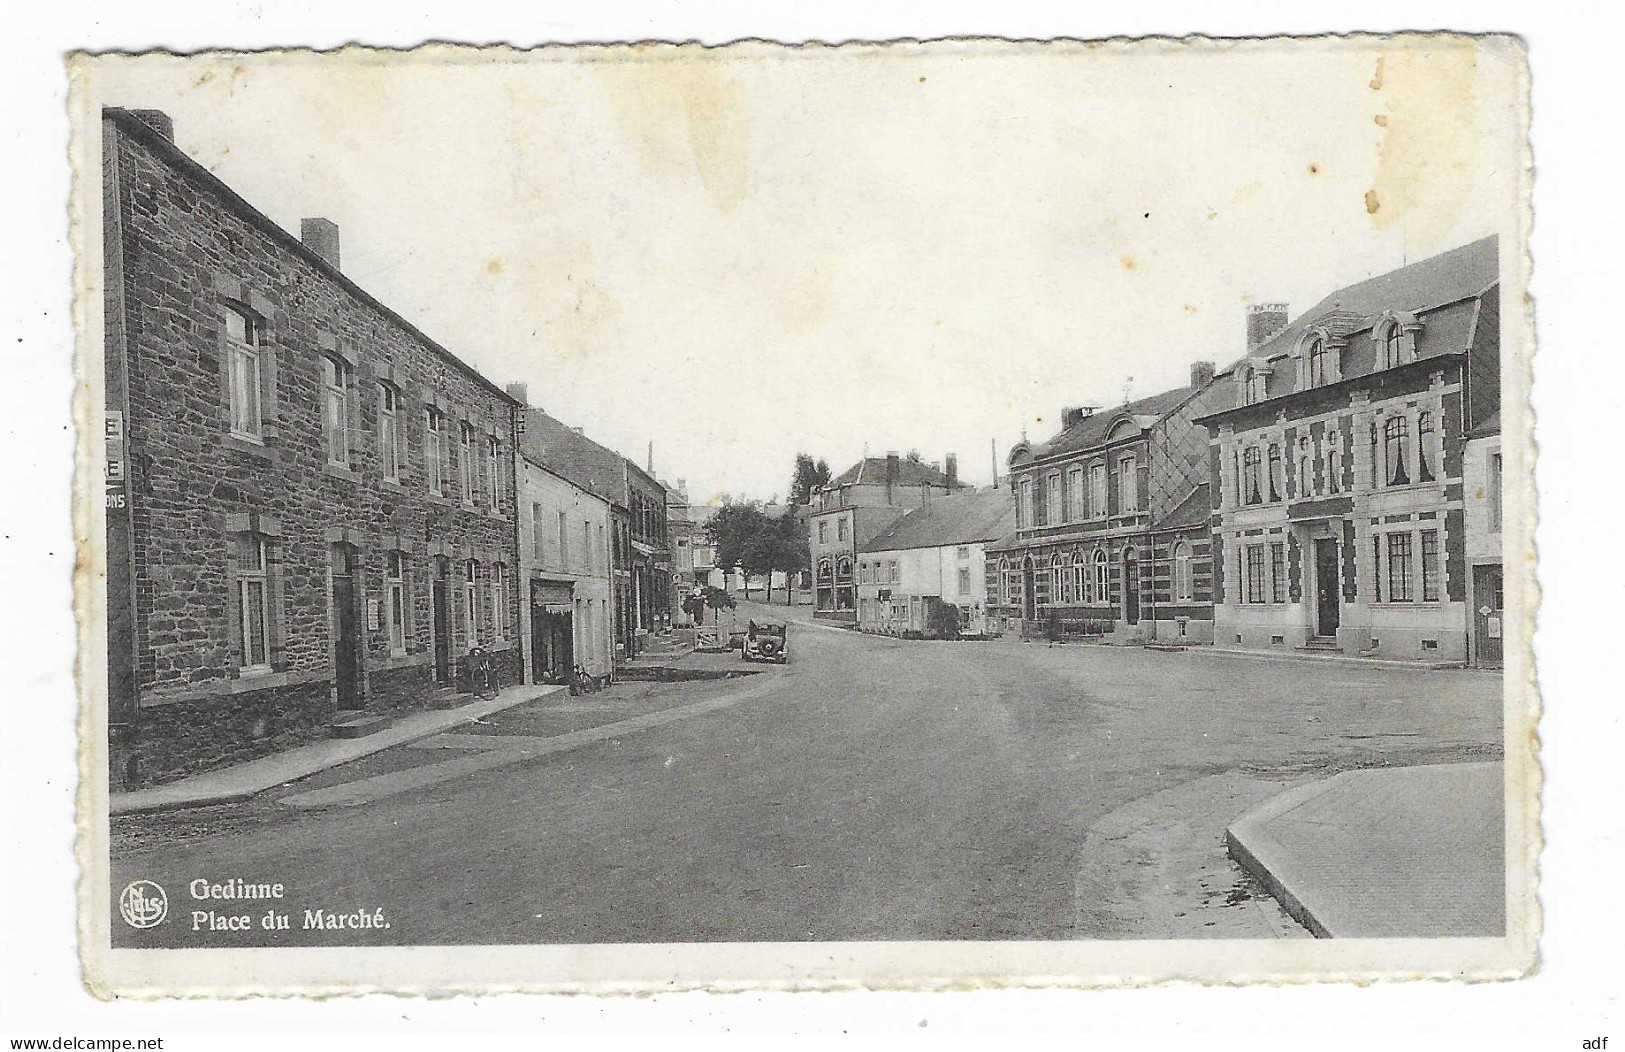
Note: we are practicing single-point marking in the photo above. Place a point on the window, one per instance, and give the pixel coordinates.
(1305, 473)
(1074, 495)
(493, 471)
(824, 568)
(1334, 461)
(1317, 363)
(253, 602)
(1184, 579)
(964, 580)
(395, 602)
(865, 573)
(1399, 567)
(1080, 578)
(471, 600)
(389, 434)
(564, 543)
(1052, 500)
(962, 554)
(1060, 587)
(538, 546)
(435, 452)
(1495, 492)
(892, 571)
(840, 528)
(1424, 447)
(244, 366)
(1097, 490)
(1024, 503)
(843, 568)
(1127, 494)
(499, 601)
(1396, 447)
(1430, 566)
(603, 550)
(1393, 347)
(1277, 572)
(586, 546)
(336, 410)
(1376, 568)
(823, 531)
(1277, 473)
(1102, 578)
(469, 466)
(1250, 485)
(1254, 391)
(1255, 573)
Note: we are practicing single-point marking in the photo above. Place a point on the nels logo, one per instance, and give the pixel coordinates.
(143, 904)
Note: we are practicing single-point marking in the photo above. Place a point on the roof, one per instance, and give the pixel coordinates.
(1194, 510)
(567, 452)
(179, 158)
(1459, 274)
(1490, 425)
(871, 471)
(1092, 430)
(980, 515)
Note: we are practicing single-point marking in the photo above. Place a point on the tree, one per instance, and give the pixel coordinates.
(809, 477)
(734, 529)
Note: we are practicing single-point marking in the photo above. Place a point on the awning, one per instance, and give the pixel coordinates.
(554, 608)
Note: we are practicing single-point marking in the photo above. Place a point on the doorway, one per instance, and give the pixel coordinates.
(346, 629)
(440, 619)
(1328, 607)
(1131, 587)
(1488, 622)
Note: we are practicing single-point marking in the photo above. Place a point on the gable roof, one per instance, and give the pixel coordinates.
(964, 518)
(871, 471)
(1092, 430)
(1428, 284)
(567, 452)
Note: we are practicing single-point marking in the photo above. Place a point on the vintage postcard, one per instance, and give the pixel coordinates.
(927, 514)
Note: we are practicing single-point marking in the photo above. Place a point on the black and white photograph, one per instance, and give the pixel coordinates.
(637, 516)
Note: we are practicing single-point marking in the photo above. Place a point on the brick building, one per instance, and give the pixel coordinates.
(310, 502)
(1112, 523)
(1338, 466)
(853, 508)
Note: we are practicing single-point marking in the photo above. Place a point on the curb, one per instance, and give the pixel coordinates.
(157, 800)
(1255, 852)
(1333, 659)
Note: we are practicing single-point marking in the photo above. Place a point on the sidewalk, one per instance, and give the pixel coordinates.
(232, 784)
(1404, 852)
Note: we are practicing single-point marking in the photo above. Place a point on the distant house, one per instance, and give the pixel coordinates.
(932, 554)
(855, 506)
(1111, 532)
(1340, 457)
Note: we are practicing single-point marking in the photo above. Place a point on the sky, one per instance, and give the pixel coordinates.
(740, 254)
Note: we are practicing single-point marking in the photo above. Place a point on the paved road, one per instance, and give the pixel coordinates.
(872, 789)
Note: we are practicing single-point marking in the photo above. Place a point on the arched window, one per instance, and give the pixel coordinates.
(843, 568)
(1080, 578)
(1102, 578)
(1393, 346)
(1334, 461)
(823, 568)
(1025, 503)
(1251, 484)
(1184, 582)
(1396, 443)
(1317, 363)
(1305, 472)
(1277, 473)
(1060, 588)
(1001, 593)
(1424, 447)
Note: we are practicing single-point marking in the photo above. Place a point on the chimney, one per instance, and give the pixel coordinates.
(1201, 374)
(158, 121)
(321, 236)
(1263, 321)
(952, 462)
(1070, 416)
(518, 392)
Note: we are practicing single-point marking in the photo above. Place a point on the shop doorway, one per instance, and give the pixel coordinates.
(346, 629)
(1488, 622)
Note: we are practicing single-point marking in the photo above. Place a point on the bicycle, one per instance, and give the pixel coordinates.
(482, 673)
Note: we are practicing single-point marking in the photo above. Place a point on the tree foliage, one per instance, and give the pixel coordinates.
(810, 476)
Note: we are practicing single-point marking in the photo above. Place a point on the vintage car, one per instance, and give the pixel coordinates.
(765, 641)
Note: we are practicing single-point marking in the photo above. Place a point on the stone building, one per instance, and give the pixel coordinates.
(1112, 532)
(933, 555)
(853, 508)
(1338, 466)
(1481, 496)
(313, 514)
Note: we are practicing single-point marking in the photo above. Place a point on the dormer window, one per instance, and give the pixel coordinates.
(1393, 347)
(1253, 390)
(1395, 337)
(1317, 363)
